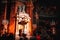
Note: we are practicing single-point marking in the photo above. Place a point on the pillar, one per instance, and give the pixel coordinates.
(29, 9)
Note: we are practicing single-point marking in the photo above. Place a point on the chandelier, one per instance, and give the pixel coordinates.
(5, 22)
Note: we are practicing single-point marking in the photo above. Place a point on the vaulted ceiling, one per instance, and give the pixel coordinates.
(38, 4)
